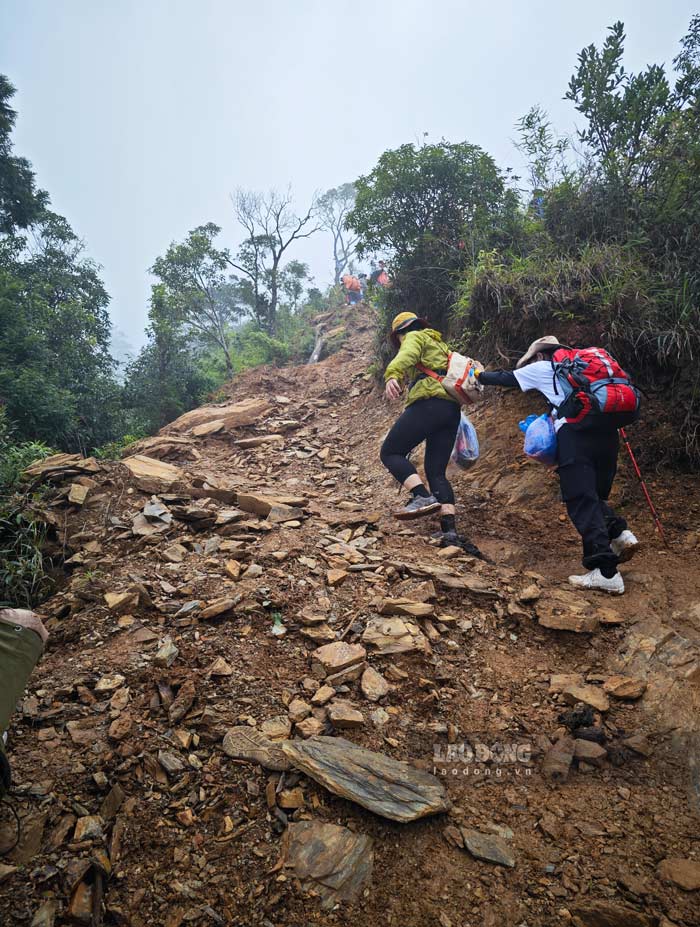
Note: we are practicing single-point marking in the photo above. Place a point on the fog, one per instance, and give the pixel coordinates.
(141, 118)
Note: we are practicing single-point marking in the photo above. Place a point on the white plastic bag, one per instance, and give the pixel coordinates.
(465, 453)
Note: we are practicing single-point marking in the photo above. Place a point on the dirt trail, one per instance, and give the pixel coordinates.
(120, 796)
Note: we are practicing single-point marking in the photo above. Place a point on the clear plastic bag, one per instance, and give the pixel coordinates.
(465, 453)
(540, 438)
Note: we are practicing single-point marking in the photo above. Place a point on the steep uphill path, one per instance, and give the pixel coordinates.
(203, 576)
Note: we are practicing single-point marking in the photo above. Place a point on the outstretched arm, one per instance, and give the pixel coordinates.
(498, 378)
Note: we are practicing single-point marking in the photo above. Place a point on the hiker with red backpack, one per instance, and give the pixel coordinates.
(590, 397)
(432, 414)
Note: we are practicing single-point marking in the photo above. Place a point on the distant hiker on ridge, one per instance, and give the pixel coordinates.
(590, 397)
(379, 277)
(431, 415)
(353, 288)
(363, 284)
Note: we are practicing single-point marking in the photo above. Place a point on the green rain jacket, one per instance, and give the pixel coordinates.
(423, 347)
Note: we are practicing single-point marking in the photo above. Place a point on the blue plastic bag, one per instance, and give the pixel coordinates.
(540, 438)
(465, 453)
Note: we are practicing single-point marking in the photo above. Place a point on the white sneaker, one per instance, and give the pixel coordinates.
(596, 580)
(625, 546)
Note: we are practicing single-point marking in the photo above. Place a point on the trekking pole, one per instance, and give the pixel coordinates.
(657, 520)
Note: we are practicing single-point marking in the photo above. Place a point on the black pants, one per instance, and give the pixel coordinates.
(587, 464)
(434, 421)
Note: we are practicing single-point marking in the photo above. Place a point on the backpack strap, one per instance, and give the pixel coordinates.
(604, 360)
(427, 372)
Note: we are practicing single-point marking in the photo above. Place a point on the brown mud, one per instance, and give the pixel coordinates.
(198, 842)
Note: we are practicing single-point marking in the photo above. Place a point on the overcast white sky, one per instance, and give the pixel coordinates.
(141, 116)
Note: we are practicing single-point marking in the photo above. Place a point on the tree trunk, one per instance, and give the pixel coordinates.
(318, 346)
(272, 308)
(229, 363)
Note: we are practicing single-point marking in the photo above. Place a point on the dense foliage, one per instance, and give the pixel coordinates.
(604, 245)
(56, 378)
(612, 251)
(432, 208)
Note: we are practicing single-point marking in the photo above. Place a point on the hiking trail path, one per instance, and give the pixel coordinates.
(194, 601)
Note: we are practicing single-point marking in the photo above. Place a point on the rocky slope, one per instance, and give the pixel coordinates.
(266, 702)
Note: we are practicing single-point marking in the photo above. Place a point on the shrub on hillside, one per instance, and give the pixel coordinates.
(23, 577)
(606, 296)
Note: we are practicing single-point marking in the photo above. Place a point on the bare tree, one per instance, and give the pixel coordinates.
(271, 226)
(332, 209)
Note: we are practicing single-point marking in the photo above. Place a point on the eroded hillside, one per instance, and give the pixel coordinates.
(240, 609)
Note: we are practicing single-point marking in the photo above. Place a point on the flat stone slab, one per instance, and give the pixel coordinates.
(344, 714)
(152, 469)
(332, 658)
(606, 914)
(682, 872)
(394, 635)
(245, 743)
(490, 847)
(589, 695)
(628, 688)
(563, 611)
(209, 428)
(473, 584)
(406, 607)
(60, 462)
(328, 859)
(233, 415)
(559, 681)
(387, 787)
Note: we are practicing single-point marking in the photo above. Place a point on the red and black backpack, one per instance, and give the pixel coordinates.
(596, 391)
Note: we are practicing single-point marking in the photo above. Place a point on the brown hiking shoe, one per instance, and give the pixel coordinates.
(417, 507)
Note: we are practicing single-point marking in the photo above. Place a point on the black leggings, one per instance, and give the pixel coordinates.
(434, 421)
(587, 465)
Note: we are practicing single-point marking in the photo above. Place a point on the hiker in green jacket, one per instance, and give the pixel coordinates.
(431, 415)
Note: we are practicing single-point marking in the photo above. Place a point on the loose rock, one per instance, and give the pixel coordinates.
(183, 701)
(387, 787)
(332, 658)
(682, 872)
(562, 611)
(605, 914)
(590, 752)
(625, 687)
(558, 759)
(394, 635)
(322, 695)
(343, 714)
(309, 727)
(589, 695)
(331, 860)
(298, 710)
(374, 686)
(489, 847)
